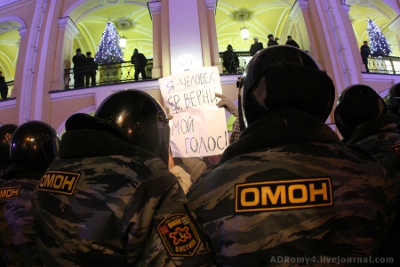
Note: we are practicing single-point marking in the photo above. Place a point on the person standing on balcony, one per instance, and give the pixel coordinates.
(231, 60)
(91, 68)
(79, 61)
(291, 42)
(365, 51)
(140, 62)
(3, 87)
(256, 46)
(272, 40)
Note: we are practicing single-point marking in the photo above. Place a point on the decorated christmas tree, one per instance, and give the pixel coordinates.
(109, 50)
(378, 43)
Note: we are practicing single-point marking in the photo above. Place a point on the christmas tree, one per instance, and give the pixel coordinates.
(378, 43)
(109, 50)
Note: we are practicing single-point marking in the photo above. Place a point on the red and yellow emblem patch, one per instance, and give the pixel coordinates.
(179, 235)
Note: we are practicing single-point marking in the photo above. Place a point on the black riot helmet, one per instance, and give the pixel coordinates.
(356, 105)
(34, 144)
(393, 99)
(284, 76)
(141, 118)
(6, 132)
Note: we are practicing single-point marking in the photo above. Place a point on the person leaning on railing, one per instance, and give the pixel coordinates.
(3, 87)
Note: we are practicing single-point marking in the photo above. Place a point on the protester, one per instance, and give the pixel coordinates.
(226, 103)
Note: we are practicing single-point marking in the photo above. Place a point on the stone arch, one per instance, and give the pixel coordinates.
(12, 29)
(384, 13)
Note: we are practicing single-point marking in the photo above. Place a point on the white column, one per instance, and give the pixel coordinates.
(155, 11)
(332, 40)
(185, 41)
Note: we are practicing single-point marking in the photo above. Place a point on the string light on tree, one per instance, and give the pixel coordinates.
(378, 43)
(109, 50)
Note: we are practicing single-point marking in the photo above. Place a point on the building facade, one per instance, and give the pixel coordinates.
(44, 35)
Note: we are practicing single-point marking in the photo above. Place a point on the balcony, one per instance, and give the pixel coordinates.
(108, 74)
(117, 73)
(384, 65)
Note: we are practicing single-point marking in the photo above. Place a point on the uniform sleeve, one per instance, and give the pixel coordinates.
(161, 229)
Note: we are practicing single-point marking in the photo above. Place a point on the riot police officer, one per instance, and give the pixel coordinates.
(364, 121)
(117, 203)
(392, 99)
(34, 145)
(288, 187)
(6, 132)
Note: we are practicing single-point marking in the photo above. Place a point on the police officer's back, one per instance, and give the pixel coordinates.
(109, 199)
(288, 188)
(393, 99)
(6, 132)
(364, 121)
(34, 145)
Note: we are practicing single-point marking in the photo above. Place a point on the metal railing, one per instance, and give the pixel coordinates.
(125, 71)
(106, 74)
(244, 58)
(376, 64)
(10, 85)
(384, 65)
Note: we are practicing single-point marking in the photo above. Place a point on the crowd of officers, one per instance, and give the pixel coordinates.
(288, 192)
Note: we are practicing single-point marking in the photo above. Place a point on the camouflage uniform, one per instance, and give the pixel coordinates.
(17, 234)
(288, 188)
(381, 139)
(99, 205)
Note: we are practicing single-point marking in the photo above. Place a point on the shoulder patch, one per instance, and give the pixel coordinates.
(9, 192)
(59, 182)
(179, 235)
(396, 149)
(283, 195)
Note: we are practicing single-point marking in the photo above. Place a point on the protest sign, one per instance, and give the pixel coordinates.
(198, 127)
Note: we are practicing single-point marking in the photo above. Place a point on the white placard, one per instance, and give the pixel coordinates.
(198, 127)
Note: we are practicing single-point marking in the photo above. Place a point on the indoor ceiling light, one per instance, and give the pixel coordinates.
(122, 40)
(244, 31)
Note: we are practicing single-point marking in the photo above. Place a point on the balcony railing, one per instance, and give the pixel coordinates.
(384, 65)
(244, 58)
(107, 74)
(10, 85)
(124, 72)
